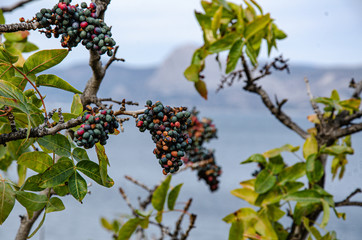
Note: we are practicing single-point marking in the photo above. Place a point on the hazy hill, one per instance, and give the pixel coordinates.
(167, 83)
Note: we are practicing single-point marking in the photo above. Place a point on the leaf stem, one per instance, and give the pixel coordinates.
(35, 88)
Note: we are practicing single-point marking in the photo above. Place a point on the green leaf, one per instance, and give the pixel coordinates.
(33, 184)
(57, 143)
(192, 73)
(6, 69)
(21, 174)
(10, 95)
(16, 36)
(242, 213)
(107, 225)
(216, 20)
(39, 226)
(201, 88)
(276, 164)
(276, 151)
(80, 154)
(236, 231)
(258, 158)
(2, 19)
(159, 196)
(292, 173)
(234, 55)
(103, 161)
(43, 60)
(30, 47)
(77, 106)
(91, 170)
(338, 150)
(58, 173)
(257, 25)
(61, 190)
(274, 213)
(326, 214)
(312, 230)
(54, 205)
(19, 82)
(7, 57)
(246, 194)
(7, 200)
(144, 223)
(252, 54)
(264, 181)
(304, 196)
(77, 186)
(172, 196)
(128, 229)
(159, 217)
(310, 146)
(50, 80)
(224, 43)
(31, 201)
(314, 168)
(37, 161)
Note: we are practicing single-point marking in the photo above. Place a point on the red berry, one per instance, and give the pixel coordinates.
(139, 124)
(80, 132)
(83, 24)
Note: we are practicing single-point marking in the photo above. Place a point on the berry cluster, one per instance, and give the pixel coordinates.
(97, 124)
(76, 24)
(201, 131)
(200, 158)
(209, 172)
(167, 126)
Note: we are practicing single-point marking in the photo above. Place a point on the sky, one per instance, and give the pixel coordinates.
(323, 32)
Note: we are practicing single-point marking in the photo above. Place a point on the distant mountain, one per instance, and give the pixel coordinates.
(167, 83)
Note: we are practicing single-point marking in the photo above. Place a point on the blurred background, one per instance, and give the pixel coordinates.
(157, 39)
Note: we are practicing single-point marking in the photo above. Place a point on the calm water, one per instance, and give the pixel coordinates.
(131, 154)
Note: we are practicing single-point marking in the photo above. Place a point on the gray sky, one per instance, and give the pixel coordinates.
(322, 32)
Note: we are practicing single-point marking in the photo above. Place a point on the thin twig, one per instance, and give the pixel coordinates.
(138, 183)
(126, 199)
(191, 226)
(278, 113)
(130, 113)
(179, 220)
(15, 6)
(314, 105)
(347, 202)
(113, 58)
(357, 88)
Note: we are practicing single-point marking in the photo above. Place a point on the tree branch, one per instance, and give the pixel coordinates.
(342, 132)
(357, 88)
(15, 6)
(113, 58)
(347, 202)
(276, 111)
(179, 220)
(15, 27)
(26, 223)
(92, 87)
(314, 105)
(37, 132)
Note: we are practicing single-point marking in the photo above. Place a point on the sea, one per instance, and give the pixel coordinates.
(240, 134)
